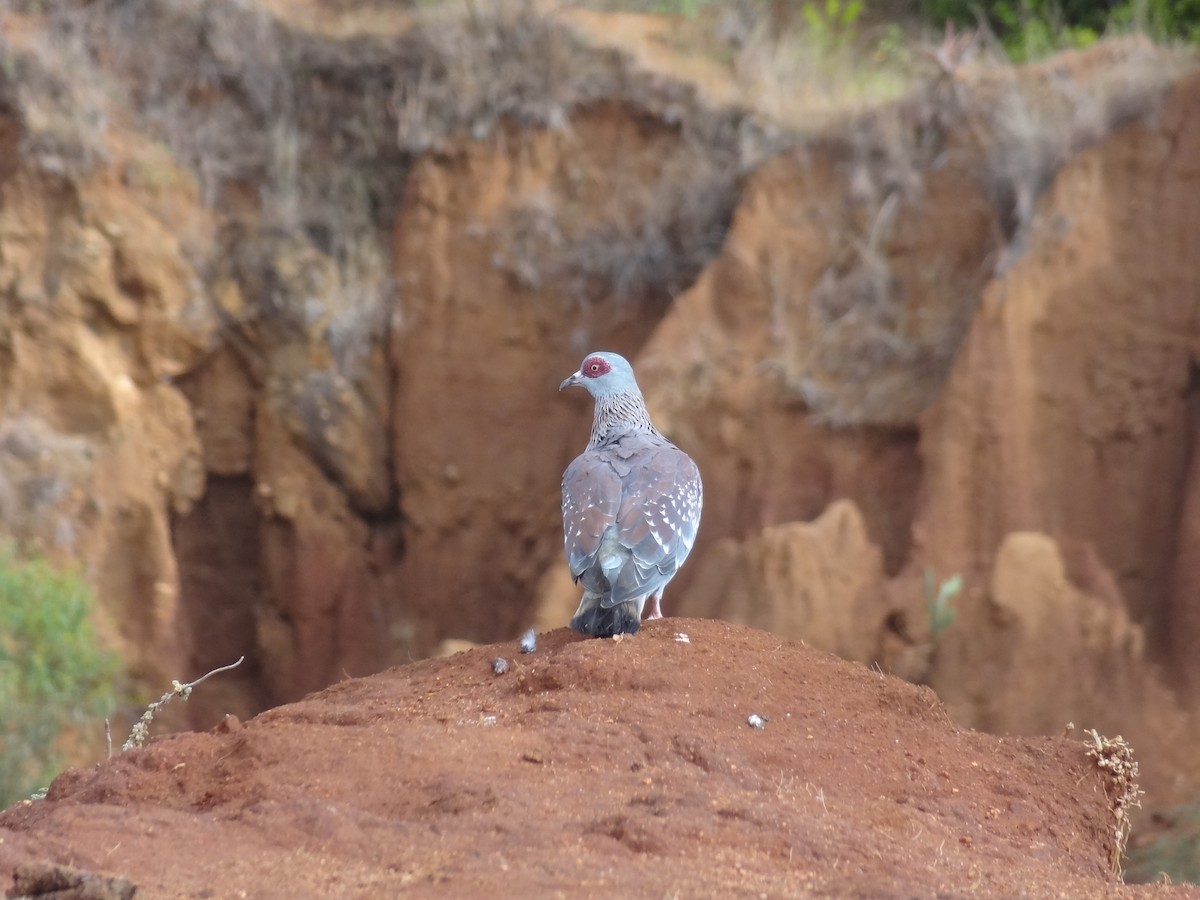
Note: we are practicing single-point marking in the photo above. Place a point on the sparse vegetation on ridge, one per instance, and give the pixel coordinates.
(1031, 29)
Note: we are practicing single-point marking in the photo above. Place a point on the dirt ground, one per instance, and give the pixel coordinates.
(622, 768)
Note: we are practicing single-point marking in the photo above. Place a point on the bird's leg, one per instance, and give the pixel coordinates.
(655, 610)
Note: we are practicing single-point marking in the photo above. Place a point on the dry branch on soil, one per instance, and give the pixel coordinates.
(141, 730)
(1114, 757)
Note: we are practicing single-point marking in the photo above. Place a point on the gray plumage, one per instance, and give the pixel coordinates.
(631, 504)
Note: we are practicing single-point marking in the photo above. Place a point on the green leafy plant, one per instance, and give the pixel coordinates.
(1029, 29)
(833, 23)
(939, 601)
(54, 674)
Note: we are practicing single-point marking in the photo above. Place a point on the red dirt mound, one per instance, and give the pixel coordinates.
(621, 768)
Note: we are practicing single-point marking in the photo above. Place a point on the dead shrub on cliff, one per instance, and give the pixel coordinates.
(807, 62)
(649, 242)
(465, 68)
(1029, 121)
(289, 134)
(654, 243)
(277, 290)
(883, 341)
(50, 84)
(297, 121)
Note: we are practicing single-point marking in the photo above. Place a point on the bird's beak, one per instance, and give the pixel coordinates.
(573, 379)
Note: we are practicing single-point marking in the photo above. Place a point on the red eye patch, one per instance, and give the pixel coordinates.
(594, 367)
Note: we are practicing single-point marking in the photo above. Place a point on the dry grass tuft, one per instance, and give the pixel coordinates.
(1114, 757)
(467, 67)
(654, 243)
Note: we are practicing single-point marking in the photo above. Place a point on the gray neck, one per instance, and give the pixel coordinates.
(618, 415)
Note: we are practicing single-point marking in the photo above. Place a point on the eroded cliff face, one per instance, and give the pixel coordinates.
(1048, 459)
(1071, 409)
(97, 450)
(497, 309)
(1053, 467)
(282, 333)
(280, 355)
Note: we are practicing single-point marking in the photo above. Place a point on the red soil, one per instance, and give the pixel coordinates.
(592, 768)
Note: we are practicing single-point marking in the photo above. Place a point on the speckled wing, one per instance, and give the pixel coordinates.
(659, 514)
(591, 498)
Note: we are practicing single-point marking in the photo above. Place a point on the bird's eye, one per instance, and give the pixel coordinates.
(594, 367)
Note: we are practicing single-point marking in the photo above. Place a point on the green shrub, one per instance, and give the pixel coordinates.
(1032, 28)
(54, 674)
(833, 22)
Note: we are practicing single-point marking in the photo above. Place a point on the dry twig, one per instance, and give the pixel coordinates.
(141, 730)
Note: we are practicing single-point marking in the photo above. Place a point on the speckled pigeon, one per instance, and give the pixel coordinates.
(630, 502)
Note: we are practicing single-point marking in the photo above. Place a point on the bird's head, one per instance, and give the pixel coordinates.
(604, 375)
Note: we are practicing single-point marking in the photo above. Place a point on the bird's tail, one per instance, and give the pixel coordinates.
(598, 621)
